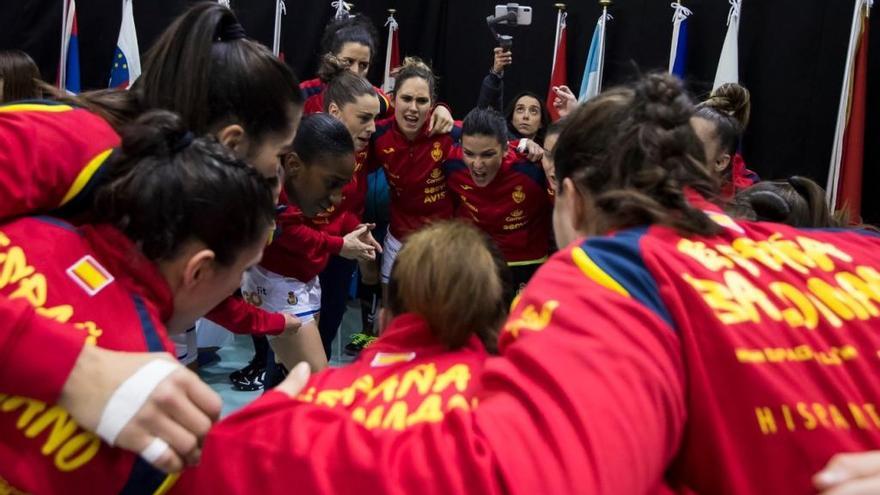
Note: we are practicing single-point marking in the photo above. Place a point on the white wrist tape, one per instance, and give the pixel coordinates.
(131, 395)
(523, 145)
(154, 450)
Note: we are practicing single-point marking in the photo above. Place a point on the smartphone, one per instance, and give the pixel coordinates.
(523, 13)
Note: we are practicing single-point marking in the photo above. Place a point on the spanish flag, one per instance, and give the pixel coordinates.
(389, 358)
(89, 275)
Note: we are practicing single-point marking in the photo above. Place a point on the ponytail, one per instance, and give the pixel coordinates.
(204, 68)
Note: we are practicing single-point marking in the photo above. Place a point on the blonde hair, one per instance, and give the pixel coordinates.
(450, 274)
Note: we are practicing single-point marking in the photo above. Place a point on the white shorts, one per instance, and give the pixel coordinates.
(210, 334)
(390, 248)
(279, 294)
(185, 346)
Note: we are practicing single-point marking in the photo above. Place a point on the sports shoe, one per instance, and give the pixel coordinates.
(359, 342)
(249, 378)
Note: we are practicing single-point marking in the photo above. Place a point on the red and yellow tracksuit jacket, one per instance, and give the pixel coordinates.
(52, 157)
(733, 363)
(95, 281)
(404, 379)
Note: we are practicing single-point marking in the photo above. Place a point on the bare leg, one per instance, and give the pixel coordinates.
(303, 345)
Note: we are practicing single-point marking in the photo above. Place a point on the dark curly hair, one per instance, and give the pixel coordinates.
(633, 151)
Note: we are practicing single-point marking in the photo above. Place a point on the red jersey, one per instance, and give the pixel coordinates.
(733, 363)
(403, 379)
(94, 279)
(313, 92)
(342, 219)
(514, 209)
(414, 170)
(51, 156)
(299, 250)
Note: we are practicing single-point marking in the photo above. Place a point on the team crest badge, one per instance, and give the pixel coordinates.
(89, 275)
(252, 298)
(437, 153)
(291, 299)
(518, 195)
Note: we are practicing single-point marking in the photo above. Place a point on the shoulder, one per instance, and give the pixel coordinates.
(530, 171)
(383, 127)
(311, 87)
(616, 263)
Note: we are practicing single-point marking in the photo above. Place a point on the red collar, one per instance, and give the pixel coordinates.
(129, 266)
(421, 136)
(699, 201)
(410, 332)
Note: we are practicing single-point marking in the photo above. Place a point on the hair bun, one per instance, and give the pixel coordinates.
(155, 133)
(415, 63)
(732, 100)
(331, 67)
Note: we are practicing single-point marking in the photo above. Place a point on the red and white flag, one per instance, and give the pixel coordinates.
(559, 71)
(845, 175)
(392, 54)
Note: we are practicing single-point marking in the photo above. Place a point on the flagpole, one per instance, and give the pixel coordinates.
(280, 9)
(392, 26)
(604, 4)
(62, 65)
(560, 7)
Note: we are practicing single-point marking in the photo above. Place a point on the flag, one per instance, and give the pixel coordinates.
(559, 71)
(126, 66)
(68, 67)
(845, 174)
(678, 50)
(591, 83)
(728, 62)
(392, 54)
(280, 10)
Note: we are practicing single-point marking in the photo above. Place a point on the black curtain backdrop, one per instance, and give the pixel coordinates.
(792, 54)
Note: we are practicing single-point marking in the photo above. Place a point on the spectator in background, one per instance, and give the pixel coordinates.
(19, 77)
(525, 114)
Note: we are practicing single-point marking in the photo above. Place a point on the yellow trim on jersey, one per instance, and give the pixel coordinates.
(592, 271)
(35, 107)
(527, 262)
(85, 175)
(166, 485)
